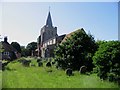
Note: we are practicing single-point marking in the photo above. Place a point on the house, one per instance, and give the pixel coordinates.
(8, 51)
(48, 39)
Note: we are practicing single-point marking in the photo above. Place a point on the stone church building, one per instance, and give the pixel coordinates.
(48, 39)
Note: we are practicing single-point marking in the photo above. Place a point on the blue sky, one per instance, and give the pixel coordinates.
(22, 21)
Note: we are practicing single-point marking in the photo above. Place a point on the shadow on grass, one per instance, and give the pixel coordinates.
(9, 69)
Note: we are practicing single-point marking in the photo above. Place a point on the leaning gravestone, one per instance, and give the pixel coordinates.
(26, 63)
(69, 71)
(53, 63)
(83, 69)
(48, 64)
(38, 59)
(40, 64)
(33, 65)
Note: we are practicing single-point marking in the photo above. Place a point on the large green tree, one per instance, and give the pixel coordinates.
(31, 47)
(77, 50)
(16, 45)
(107, 60)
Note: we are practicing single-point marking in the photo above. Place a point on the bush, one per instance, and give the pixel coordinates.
(107, 60)
(111, 77)
(20, 59)
(4, 65)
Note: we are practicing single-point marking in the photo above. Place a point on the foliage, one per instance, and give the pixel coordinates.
(76, 51)
(31, 47)
(1, 48)
(107, 60)
(16, 46)
(24, 51)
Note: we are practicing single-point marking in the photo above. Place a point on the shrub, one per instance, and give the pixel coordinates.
(4, 65)
(107, 60)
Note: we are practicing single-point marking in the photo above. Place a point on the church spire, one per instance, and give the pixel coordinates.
(49, 20)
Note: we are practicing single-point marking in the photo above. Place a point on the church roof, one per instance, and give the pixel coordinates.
(70, 34)
(49, 20)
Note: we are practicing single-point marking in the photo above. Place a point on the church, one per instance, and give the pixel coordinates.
(48, 39)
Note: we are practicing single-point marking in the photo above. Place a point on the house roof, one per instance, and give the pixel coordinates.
(7, 47)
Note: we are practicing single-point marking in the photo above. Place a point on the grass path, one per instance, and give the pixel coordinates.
(38, 77)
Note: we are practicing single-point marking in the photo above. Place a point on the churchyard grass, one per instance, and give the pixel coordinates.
(18, 76)
(0, 79)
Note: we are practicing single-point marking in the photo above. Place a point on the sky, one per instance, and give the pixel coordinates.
(22, 21)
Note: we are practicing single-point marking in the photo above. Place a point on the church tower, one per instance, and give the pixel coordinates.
(48, 31)
(48, 39)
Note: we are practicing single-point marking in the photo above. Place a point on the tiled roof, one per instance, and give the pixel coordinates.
(69, 35)
(8, 47)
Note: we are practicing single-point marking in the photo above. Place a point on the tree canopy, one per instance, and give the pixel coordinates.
(16, 45)
(31, 47)
(24, 51)
(107, 60)
(76, 50)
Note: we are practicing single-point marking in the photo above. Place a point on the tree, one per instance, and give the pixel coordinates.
(76, 51)
(24, 51)
(31, 47)
(16, 46)
(107, 60)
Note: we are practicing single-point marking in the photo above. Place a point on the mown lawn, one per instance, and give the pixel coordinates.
(18, 76)
(0, 79)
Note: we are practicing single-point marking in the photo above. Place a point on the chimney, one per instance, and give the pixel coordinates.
(5, 39)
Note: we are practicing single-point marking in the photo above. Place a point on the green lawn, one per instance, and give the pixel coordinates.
(18, 76)
(0, 79)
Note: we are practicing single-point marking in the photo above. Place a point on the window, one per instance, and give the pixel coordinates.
(6, 53)
(45, 44)
(54, 41)
(50, 42)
